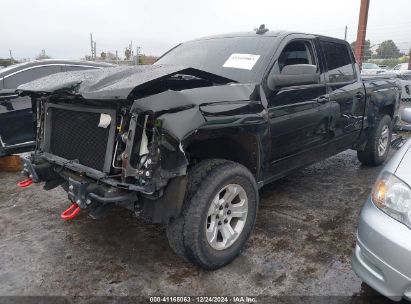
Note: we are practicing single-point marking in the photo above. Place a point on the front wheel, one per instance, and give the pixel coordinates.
(219, 214)
(378, 143)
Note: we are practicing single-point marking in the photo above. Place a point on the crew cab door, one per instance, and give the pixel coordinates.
(298, 111)
(345, 90)
(17, 124)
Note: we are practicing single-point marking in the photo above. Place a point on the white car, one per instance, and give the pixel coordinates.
(401, 72)
(404, 74)
(368, 68)
(400, 68)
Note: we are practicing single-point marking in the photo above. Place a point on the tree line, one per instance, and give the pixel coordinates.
(386, 49)
(387, 53)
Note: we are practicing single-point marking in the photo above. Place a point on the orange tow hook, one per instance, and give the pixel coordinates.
(71, 212)
(25, 183)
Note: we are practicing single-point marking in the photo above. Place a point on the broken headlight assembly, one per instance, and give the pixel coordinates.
(393, 196)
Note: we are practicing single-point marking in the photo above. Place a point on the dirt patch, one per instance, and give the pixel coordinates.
(302, 243)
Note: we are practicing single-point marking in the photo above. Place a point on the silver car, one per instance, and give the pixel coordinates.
(382, 256)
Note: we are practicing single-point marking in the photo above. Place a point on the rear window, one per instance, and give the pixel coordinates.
(338, 60)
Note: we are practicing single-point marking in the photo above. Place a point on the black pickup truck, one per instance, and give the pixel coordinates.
(189, 140)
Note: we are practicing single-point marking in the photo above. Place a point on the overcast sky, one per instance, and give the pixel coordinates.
(62, 27)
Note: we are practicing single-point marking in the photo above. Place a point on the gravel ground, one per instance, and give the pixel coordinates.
(301, 246)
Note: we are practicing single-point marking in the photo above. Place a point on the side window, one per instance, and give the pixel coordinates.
(285, 73)
(296, 52)
(338, 60)
(13, 81)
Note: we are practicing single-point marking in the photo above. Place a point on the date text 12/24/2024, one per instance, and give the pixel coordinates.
(203, 299)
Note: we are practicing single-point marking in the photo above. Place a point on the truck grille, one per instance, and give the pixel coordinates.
(75, 135)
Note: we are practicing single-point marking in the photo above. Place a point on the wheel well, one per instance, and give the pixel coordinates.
(242, 149)
(389, 110)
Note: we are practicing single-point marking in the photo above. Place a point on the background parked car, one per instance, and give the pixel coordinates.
(405, 81)
(399, 68)
(16, 116)
(401, 72)
(368, 68)
(382, 256)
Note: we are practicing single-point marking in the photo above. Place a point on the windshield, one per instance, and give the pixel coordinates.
(367, 66)
(236, 58)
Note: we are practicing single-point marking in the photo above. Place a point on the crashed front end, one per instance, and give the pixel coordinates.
(108, 151)
(105, 156)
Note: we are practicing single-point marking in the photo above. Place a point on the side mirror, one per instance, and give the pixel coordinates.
(406, 115)
(296, 74)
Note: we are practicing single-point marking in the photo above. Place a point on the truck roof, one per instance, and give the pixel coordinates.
(244, 34)
(274, 33)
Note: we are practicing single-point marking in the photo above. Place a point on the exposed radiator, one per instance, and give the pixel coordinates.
(76, 135)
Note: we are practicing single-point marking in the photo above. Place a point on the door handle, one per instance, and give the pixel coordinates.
(322, 99)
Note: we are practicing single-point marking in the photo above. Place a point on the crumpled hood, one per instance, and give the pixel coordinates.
(109, 83)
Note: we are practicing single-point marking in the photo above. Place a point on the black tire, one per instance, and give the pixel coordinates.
(175, 228)
(186, 234)
(370, 156)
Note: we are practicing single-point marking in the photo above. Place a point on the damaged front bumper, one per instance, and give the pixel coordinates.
(82, 190)
(95, 193)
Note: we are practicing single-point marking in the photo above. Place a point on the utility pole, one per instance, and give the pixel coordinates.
(93, 47)
(138, 48)
(362, 31)
(409, 61)
(345, 35)
(11, 58)
(130, 47)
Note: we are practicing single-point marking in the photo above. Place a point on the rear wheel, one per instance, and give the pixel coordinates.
(219, 214)
(378, 143)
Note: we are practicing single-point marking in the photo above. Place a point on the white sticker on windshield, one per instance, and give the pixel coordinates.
(105, 120)
(241, 61)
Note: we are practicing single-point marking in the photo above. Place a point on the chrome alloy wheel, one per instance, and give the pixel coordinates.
(383, 140)
(226, 216)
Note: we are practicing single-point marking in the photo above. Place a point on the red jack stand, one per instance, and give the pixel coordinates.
(71, 212)
(25, 183)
